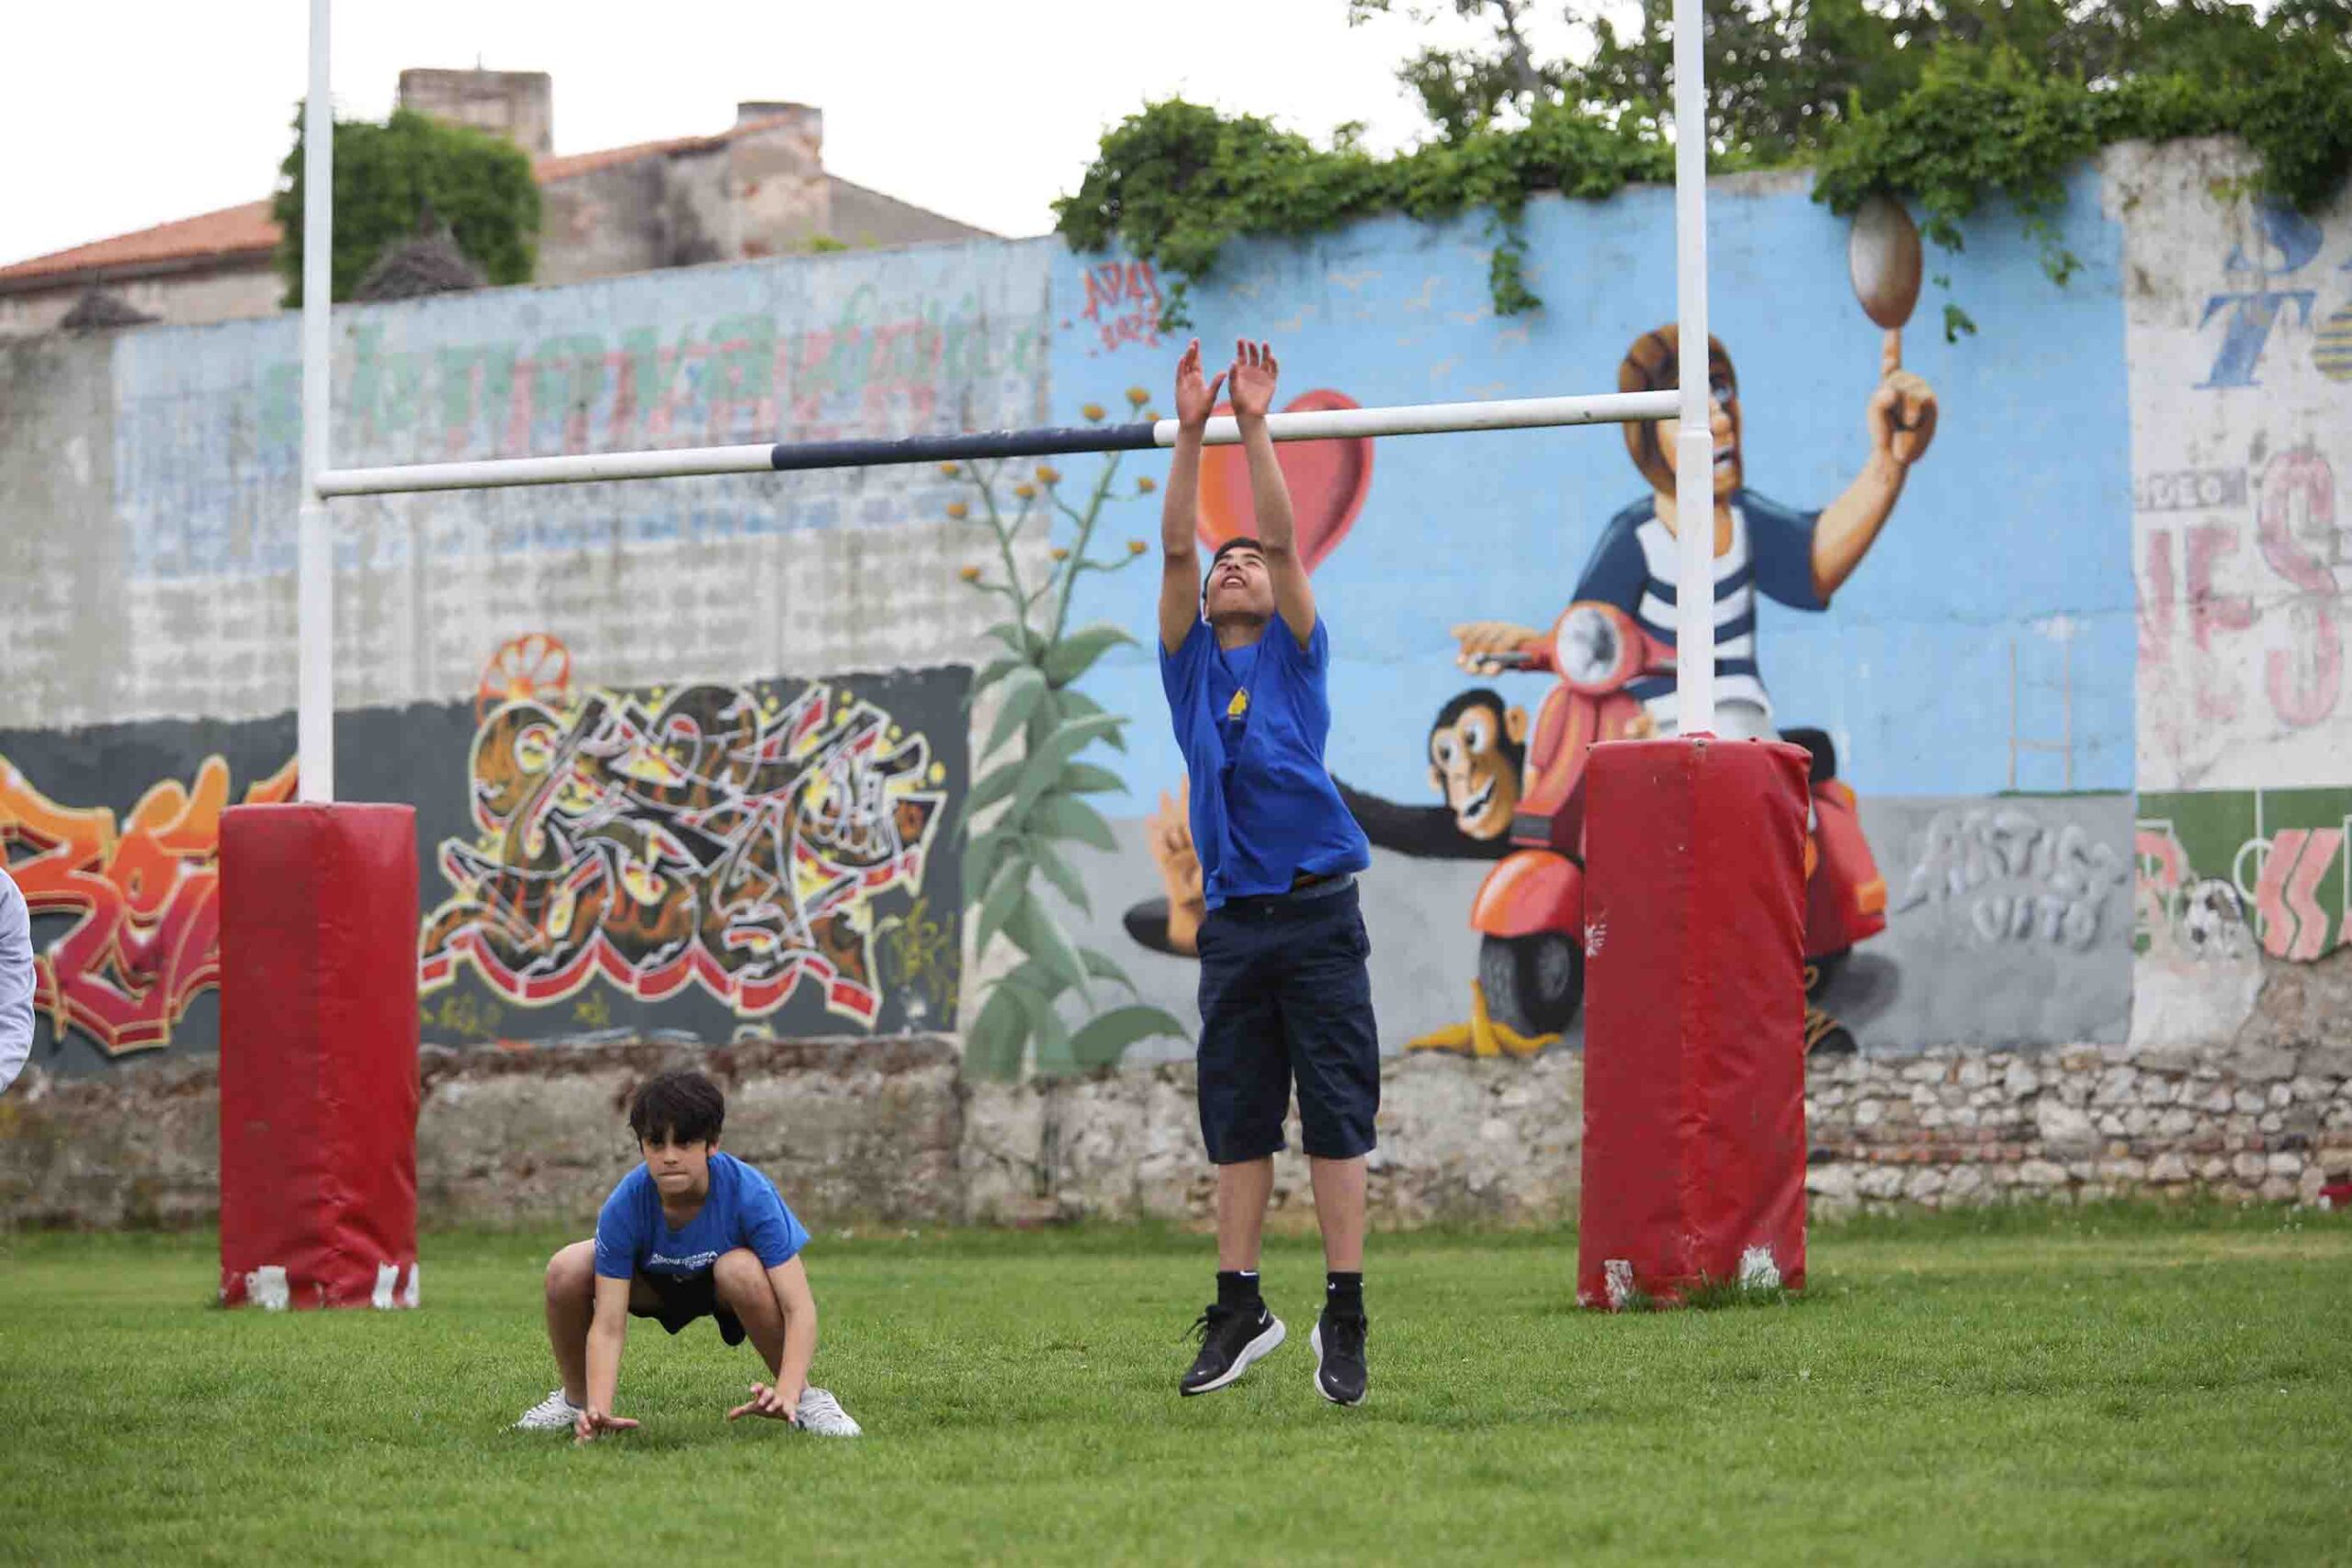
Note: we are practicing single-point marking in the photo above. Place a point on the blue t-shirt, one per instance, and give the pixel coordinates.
(1251, 723)
(741, 1209)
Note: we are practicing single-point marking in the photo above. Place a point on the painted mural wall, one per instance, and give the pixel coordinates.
(2059, 610)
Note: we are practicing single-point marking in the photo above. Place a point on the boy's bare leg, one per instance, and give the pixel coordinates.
(742, 1286)
(571, 1305)
(1243, 1189)
(1339, 1209)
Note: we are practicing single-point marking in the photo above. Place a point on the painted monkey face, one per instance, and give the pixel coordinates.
(1475, 753)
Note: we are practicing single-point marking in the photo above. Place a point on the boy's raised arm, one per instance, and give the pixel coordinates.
(1254, 372)
(1180, 564)
(606, 1332)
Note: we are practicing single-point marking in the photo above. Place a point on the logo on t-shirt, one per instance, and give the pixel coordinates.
(1240, 702)
(693, 1264)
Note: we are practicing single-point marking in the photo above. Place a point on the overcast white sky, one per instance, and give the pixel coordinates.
(119, 114)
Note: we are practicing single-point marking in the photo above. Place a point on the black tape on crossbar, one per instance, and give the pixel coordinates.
(1043, 442)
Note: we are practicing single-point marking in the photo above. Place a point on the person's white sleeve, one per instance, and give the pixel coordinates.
(16, 981)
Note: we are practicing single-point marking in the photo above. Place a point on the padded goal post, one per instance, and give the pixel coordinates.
(319, 1085)
(1694, 1141)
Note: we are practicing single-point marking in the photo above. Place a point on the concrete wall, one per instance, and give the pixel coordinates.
(231, 291)
(2085, 689)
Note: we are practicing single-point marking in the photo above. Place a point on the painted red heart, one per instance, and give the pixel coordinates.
(1328, 482)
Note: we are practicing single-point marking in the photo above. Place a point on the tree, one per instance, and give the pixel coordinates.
(1784, 75)
(387, 178)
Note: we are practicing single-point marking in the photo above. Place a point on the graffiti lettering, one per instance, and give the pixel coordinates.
(2296, 523)
(145, 898)
(1122, 301)
(2250, 320)
(722, 837)
(2175, 912)
(2193, 490)
(1966, 857)
(2293, 924)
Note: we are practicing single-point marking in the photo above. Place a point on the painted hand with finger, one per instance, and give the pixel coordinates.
(1903, 409)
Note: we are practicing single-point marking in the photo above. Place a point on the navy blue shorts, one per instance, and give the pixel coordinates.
(1285, 997)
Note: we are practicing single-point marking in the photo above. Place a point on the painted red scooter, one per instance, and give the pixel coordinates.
(1530, 912)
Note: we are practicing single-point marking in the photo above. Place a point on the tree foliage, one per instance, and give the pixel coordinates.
(389, 177)
(1947, 102)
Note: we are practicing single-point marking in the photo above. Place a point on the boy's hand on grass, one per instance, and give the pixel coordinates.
(592, 1423)
(777, 1403)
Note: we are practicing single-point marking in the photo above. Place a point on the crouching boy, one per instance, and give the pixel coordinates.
(691, 1233)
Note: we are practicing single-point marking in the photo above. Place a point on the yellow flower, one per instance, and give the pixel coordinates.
(1146, 484)
(1136, 546)
(958, 510)
(1026, 492)
(970, 574)
(1047, 474)
(1093, 412)
(1059, 554)
(950, 470)
(1137, 397)
(1152, 414)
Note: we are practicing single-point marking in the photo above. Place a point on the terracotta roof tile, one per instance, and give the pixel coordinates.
(236, 231)
(233, 230)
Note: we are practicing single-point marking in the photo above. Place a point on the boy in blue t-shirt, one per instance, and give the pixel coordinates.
(1285, 994)
(691, 1233)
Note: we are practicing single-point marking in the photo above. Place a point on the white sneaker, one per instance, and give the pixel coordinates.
(553, 1414)
(822, 1413)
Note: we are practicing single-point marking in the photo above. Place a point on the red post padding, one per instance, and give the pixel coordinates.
(1694, 1144)
(318, 1056)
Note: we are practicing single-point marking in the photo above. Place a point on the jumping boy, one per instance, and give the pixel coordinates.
(691, 1233)
(1285, 991)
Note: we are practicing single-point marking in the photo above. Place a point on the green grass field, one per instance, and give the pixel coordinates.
(2058, 1386)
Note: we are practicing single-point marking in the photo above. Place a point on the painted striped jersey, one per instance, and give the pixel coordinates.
(1634, 567)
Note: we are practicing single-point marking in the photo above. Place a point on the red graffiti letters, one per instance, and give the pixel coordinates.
(145, 900)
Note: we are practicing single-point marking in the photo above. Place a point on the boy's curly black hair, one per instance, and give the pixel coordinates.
(681, 1103)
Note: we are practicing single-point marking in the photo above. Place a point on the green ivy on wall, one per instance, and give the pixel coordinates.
(1177, 183)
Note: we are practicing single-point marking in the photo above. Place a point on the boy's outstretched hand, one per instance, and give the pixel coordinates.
(594, 1423)
(1254, 376)
(773, 1403)
(1195, 398)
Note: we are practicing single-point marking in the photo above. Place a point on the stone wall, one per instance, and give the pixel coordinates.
(860, 1131)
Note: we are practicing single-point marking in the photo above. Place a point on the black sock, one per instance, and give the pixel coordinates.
(1239, 1288)
(1343, 1294)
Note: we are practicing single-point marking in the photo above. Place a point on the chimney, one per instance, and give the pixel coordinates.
(516, 104)
(806, 122)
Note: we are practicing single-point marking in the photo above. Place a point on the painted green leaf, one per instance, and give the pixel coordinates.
(1025, 644)
(1077, 651)
(1103, 1040)
(992, 787)
(997, 670)
(1057, 871)
(1078, 705)
(1103, 966)
(1008, 889)
(980, 858)
(1021, 694)
(1033, 926)
(993, 1047)
(1067, 817)
(1085, 778)
(1044, 769)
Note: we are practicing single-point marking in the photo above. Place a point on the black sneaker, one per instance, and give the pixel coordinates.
(1231, 1337)
(1340, 1376)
